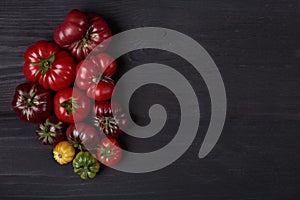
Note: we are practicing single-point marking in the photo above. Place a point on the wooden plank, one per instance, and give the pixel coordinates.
(256, 45)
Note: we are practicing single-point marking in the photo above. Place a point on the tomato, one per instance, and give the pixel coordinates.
(83, 136)
(32, 102)
(80, 33)
(71, 105)
(47, 64)
(51, 131)
(63, 152)
(85, 165)
(93, 75)
(110, 118)
(109, 152)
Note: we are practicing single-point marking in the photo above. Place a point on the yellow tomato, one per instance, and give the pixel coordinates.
(63, 152)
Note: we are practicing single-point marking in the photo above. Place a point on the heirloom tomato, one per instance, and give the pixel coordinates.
(71, 105)
(85, 165)
(51, 131)
(83, 136)
(81, 32)
(47, 64)
(110, 118)
(93, 75)
(109, 151)
(63, 152)
(32, 102)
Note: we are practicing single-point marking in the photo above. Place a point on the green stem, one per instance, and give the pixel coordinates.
(70, 105)
(58, 125)
(101, 77)
(45, 64)
(85, 40)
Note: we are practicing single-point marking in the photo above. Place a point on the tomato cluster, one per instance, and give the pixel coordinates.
(64, 81)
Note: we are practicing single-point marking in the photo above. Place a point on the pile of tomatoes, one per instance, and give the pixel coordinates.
(64, 80)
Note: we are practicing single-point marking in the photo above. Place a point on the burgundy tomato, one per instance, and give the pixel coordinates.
(110, 118)
(83, 136)
(32, 102)
(51, 131)
(109, 151)
(47, 64)
(71, 105)
(93, 75)
(81, 33)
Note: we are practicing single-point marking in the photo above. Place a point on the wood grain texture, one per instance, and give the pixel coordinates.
(255, 44)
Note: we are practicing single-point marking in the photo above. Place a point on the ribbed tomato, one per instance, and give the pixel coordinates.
(110, 118)
(109, 152)
(81, 32)
(47, 64)
(94, 76)
(71, 105)
(32, 102)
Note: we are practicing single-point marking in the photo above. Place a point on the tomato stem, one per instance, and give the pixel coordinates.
(106, 122)
(48, 124)
(107, 151)
(101, 77)
(85, 40)
(45, 64)
(70, 105)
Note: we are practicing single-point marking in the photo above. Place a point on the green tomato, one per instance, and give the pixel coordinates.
(85, 165)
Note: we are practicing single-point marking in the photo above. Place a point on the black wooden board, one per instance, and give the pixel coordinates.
(256, 46)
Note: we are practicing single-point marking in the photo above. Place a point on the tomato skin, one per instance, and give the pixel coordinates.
(47, 64)
(81, 32)
(93, 75)
(109, 152)
(71, 105)
(32, 102)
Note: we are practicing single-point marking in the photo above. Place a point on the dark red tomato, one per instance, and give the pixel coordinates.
(71, 105)
(83, 136)
(110, 118)
(51, 131)
(47, 64)
(32, 102)
(81, 33)
(93, 75)
(109, 151)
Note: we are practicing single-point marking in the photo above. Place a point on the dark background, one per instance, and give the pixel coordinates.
(256, 46)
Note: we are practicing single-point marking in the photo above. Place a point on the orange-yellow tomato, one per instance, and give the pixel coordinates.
(63, 152)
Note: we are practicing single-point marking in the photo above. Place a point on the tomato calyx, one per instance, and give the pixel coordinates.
(101, 77)
(78, 146)
(106, 122)
(107, 151)
(85, 40)
(45, 64)
(70, 105)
